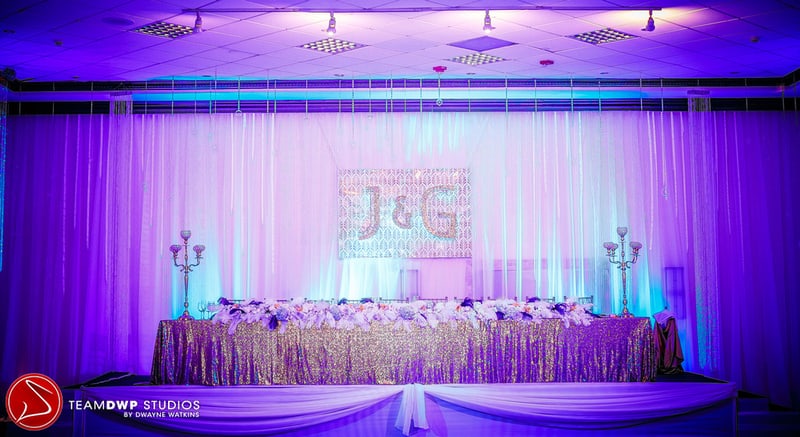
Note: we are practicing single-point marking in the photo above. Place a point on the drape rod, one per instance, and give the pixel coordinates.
(410, 9)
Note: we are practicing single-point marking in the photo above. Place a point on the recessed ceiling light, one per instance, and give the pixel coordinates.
(332, 45)
(602, 36)
(165, 30)
(477, 59)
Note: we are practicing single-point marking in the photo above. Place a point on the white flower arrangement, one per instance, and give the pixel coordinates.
(308, 315)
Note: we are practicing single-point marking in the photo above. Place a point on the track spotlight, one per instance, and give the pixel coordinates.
(331, 26)
(487, 23)
(198, 24)
(651, 25)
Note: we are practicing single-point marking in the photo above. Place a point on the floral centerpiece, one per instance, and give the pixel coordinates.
(345, 315)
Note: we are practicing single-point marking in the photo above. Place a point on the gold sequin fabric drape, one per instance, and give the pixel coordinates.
(204, 353)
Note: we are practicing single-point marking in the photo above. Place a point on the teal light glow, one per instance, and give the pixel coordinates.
(371, 277)
(386, 95)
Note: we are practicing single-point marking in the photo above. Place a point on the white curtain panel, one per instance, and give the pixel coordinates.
(93, 203)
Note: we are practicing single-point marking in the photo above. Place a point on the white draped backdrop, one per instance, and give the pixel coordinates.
(93, 202)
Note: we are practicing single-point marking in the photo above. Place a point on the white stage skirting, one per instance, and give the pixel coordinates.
(669, 408)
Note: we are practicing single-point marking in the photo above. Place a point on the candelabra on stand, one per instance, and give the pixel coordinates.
(622, 263)
(186, 267)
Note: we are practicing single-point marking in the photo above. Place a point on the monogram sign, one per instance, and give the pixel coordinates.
(404, 213)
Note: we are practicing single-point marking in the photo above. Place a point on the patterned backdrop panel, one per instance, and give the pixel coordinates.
(423, 213)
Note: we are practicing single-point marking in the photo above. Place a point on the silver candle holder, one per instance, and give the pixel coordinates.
(622, 263)
(185, 268)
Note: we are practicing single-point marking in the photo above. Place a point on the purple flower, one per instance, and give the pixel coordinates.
(282, 314)
(406, 312)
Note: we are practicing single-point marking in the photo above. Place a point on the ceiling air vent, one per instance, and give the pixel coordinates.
(332, 45)
(477, 59)
(602, 36)
(165, 30)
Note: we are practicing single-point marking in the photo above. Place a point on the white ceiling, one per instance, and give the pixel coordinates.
(56, 40)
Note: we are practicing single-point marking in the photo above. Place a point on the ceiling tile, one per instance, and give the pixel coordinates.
(338, 61)
(407, 44)
(178, 47)
(530, 36)
(228, 70)
(410, 59)
(558, 45)
(307, 68)
(743, 8)
(519, 52)
(633, 45)
(591, 52)
(366, 36)
(697, 17)
(155, 10)
(226, 54)
(728, 28)
(260, 46)
(617, 59)
(678, 38)
(784, 21)
(447, 35)
(96, 26)
(568, 28)
(397, 43)
(370, 53)
(245, 29)
(535, 19)
(444, 52)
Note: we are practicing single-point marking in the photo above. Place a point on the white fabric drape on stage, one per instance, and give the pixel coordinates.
(93, 202)
(249, 410)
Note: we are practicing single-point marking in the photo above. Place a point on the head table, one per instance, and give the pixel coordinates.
(201, 352)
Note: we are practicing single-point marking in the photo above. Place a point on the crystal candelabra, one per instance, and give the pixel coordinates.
(186, 267)
(622, 263)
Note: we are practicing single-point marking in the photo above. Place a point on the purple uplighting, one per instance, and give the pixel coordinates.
(214, 219)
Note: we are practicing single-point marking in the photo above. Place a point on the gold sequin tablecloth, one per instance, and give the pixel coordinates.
(202, 352)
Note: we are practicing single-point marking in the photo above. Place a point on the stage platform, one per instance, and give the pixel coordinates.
(686, 404)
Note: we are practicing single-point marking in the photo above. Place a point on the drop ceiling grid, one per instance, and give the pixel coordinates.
(711, 26)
